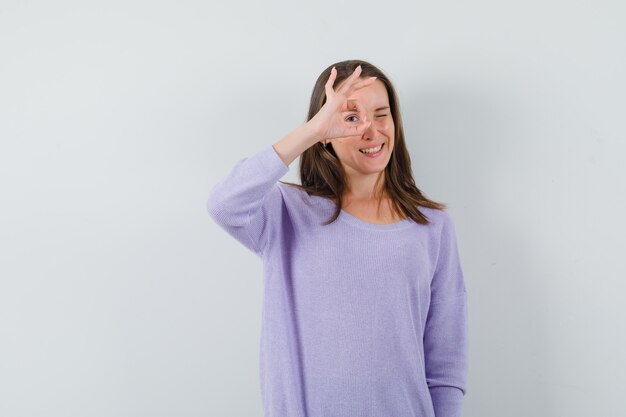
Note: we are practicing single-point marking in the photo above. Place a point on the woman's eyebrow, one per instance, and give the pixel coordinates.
(382, 108)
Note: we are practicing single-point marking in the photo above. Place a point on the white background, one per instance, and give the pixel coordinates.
(120, 297)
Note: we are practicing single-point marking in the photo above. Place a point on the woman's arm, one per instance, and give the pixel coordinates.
(296, 142)
(247, 199)
(445, 334)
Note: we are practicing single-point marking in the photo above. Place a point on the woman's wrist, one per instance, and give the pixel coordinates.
(313, 130)
(297, 141)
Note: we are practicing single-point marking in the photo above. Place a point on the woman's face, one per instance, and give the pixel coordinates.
(374, 101)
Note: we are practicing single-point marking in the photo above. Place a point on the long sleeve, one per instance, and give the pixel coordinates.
(246, 203)
(445, 334)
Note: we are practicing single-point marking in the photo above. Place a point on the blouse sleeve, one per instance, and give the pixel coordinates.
(445, 333)
(247, 201)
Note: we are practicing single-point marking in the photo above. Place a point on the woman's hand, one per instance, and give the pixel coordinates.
(340, 117)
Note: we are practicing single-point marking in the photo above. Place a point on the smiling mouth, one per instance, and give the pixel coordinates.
(373, 150)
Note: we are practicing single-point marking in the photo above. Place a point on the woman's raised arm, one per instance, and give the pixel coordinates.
(247, 202)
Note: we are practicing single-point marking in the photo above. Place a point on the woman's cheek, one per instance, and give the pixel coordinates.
(386, 126)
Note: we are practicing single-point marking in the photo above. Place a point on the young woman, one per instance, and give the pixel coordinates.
(365, 304)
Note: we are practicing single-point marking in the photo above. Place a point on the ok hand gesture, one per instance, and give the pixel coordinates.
(337, 116)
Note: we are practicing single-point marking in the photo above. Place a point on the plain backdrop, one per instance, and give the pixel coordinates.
(120, 297)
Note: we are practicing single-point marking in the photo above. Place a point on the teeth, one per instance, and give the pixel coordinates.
(371, 150)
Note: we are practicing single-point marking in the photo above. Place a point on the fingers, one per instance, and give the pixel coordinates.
(355, 120)
(354, 131)
(331, 80)
(348, 86)
(352, 106)
(345, 87)
(363, 83)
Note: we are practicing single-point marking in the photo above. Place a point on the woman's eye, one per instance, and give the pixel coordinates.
(350, 117)
(382, 115)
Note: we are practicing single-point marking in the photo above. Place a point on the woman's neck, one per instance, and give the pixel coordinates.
(366, 189)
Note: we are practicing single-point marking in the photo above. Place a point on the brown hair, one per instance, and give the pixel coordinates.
(321, 172)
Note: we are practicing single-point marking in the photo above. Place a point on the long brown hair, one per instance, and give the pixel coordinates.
(321, 172)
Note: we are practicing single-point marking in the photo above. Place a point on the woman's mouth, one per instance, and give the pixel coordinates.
(372, 152)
